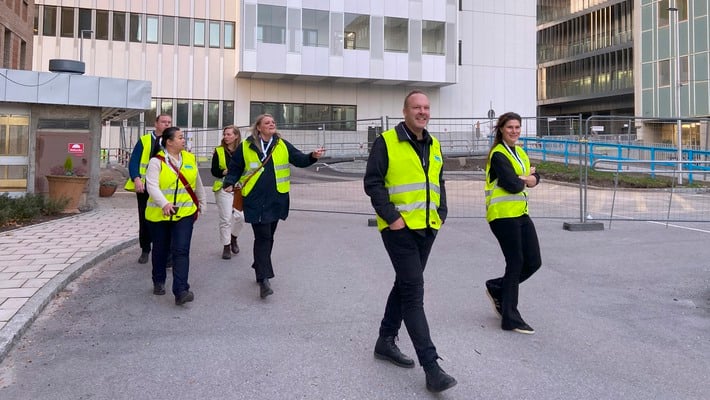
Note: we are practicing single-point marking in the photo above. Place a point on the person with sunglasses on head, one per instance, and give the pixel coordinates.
(262, 167)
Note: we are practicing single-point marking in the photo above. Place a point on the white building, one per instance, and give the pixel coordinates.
(216, 62)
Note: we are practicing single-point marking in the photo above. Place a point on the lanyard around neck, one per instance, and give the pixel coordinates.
(515, 154)
(265, 149)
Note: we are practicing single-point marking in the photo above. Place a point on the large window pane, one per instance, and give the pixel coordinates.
(101, 25)
(49, 21)
(135, 33)
(166, 107)
(271, 24)
(198, 114)
(227, 113)
(663, 13)
(84, 21)
(182, 113)
(152, 113)
(213, 114)
(184, 31)
(119, 26)
(151, 29)
(357, 31)
(315, 28)
(396, 34)
(664, 73)
(66, 28)
(433, 37)
(168, 30)
(214, 34)
(228, 35)
(199, 32)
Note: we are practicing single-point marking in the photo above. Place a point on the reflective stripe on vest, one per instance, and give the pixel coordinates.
(415, 194)
(499, 202)
(168, 183)
(222, 161)
(282, 169)
(147, 141)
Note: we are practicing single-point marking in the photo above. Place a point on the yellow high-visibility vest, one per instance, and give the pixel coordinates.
(174, 190)
(147, 141)
(282, 169)
(499, 202)
(222, 161)
(415, 194)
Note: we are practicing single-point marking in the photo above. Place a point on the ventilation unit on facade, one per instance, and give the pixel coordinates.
(67, 66)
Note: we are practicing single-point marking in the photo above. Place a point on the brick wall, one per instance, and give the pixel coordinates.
(16, 28)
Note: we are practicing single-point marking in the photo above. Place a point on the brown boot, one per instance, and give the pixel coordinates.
(226, 255)
(233, 244)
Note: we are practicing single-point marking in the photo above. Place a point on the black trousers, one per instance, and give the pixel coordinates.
(263, 244)
(172, 239)
(518, 241)
(143, 231)
(408, 250)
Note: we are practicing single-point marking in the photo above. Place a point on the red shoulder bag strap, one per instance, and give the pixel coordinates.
(182, 179)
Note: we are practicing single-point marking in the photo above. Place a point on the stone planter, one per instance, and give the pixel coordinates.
(67, 187)
(106, 190)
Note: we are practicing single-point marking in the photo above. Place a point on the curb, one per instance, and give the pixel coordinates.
(26, 315)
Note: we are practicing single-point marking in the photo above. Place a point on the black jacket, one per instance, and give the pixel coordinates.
(504, 171)
(265, 204)
(377, 165)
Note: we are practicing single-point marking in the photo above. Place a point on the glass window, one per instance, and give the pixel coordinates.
(213, 114)
(396, 34)
(183, 110)
(36, 24)
(151, 29)
(227, 113)
(135, 30)
(168, 30)
(357, 31)
(682, 9)
(152, 113)
(271, 24)
(214, 34)
(119, 26)
(49, 21)
(664, 73)
(66, 27)
(663, 12)
(198, 113)
(433, 37)
(684, 70)
(199, 32)
(84, 21)
(229, 35)
(315, 25)
(14, 135)
(184, 31)
(166, 106)
(101, 25)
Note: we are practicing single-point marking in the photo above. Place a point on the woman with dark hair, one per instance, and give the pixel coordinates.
(176, 196)
(261, 165)
(508, 175)
(231, 220)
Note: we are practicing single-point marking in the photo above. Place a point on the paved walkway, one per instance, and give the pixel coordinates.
(38, 261)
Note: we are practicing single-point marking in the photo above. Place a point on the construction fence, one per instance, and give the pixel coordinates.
(611, 144)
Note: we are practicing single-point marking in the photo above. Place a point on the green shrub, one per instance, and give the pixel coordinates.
(16, 210)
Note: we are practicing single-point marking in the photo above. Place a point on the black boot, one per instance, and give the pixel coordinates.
(226, 255)
(436, 379)
(233, 244)
(386, 349)
(265, 288)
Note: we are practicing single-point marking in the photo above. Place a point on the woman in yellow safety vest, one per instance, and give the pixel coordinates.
(176, 196)
(231, 220)
(263, 161)
(508, 175)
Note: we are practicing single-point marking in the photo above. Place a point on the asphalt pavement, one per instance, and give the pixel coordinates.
(618, 314)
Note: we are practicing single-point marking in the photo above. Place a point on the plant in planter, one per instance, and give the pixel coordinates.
(107, 187)
(67, 182)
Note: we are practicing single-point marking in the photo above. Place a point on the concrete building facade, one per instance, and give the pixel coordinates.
(216, 62)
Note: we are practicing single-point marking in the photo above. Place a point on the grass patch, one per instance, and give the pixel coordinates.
(570, 173)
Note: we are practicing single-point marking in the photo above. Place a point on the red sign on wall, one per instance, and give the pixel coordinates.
(75, 148)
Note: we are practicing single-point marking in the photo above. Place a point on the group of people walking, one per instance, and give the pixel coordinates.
(404, 180)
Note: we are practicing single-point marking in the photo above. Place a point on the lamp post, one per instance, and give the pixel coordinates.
(674, 21)
(81, 43)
